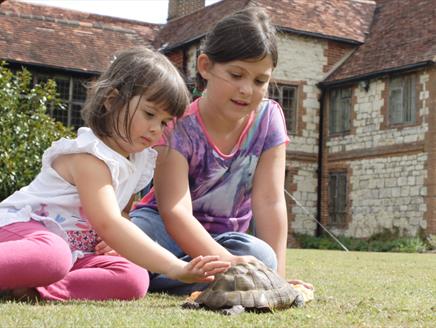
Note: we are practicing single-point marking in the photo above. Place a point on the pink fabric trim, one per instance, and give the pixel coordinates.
(238, 143)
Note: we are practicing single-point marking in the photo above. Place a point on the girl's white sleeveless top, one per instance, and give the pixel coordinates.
(55, 202)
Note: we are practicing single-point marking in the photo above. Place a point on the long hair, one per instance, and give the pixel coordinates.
(246, 34)
(138, 71)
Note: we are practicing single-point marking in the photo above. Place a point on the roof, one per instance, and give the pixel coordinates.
(343, 20)
(67, 39)
(403, 35)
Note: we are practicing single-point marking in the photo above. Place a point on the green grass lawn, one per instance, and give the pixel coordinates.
(354, 289)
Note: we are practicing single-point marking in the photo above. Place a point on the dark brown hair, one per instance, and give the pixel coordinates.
(138, 71)
(246, 34)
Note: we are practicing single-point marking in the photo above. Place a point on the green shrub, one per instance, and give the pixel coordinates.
(387, 241)
(430, 241)
(26, 129)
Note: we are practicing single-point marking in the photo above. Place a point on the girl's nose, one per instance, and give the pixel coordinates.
(246, 88)
(155, 126)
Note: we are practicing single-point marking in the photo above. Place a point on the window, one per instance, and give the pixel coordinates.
(286, 96)
(72, 94)
(402, 100)
(337, 198)
(340, 110)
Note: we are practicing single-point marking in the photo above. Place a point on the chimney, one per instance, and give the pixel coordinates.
(180, 8)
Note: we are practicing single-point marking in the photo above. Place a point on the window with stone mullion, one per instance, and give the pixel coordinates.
(340, 110)
(337, 195)
(286, 96)
(402, 100)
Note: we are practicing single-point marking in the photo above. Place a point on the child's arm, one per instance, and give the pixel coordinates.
(268, 202)
(104, 249)
(94, 184)
(175, 207)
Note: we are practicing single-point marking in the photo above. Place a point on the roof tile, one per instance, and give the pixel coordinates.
(65, 38)
(403, 33)
(347, 20)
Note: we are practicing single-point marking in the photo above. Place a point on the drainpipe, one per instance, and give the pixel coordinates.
(318, 230)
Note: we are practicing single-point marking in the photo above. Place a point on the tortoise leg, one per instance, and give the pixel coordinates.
(191, 305)
(235, 309)
(299, 301)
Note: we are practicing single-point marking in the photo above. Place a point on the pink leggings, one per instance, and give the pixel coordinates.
(32, 256)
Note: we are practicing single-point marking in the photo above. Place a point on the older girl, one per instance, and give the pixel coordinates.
(225, 162)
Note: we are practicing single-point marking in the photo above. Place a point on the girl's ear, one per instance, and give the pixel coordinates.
(203, 66)
(110, 99)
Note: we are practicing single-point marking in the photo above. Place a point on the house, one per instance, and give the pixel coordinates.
(69, 46)
(378, 162)
(356, 80)
(309, 49)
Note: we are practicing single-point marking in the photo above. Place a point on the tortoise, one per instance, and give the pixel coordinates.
(247, 287)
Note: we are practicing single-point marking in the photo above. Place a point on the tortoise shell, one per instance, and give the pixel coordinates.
(249, 286)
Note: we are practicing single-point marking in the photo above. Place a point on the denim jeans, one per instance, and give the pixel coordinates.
(237, 243)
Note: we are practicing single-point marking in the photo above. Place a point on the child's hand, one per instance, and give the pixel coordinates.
(235, 259)
(104, 249)
(301, 282)
(200, 269)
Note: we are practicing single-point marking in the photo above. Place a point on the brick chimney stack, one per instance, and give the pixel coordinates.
(180, 8)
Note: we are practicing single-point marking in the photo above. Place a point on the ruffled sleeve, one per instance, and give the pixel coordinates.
(145, 163)
(86, 142)
(275, 125)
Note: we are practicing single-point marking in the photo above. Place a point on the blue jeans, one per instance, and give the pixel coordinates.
(237, 243)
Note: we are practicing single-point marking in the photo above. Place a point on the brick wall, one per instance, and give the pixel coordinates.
(179, 8)
(334, 52)
(177, 59)
(429, 101)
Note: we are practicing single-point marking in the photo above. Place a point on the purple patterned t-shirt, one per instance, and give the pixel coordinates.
(221, 185)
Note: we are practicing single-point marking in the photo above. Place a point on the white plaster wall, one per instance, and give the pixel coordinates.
(306, 195)
(300, 59)
(303, 59)
(191, 67)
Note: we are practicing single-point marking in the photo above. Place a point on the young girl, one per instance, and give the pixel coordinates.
(49, 229)
(225, 161)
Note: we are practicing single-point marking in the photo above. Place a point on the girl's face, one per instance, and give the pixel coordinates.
(147, 124)
(235, 88)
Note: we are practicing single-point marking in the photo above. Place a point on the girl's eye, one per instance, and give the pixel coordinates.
(164, 124)
(235, 75)
(260, 82)
(148, 114)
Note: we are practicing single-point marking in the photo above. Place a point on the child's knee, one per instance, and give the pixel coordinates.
(264, 252)
(270, 259)
(51, 261)
(135, 283)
